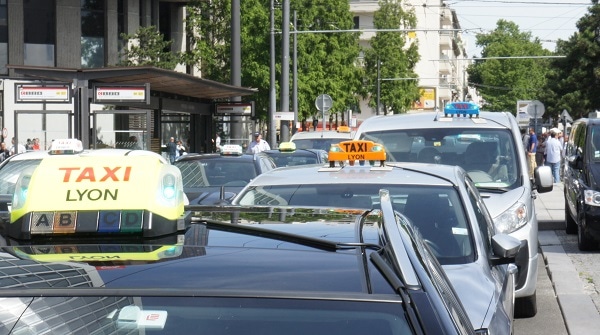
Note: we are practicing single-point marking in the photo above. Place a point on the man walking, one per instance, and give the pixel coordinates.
(258, 145)
(531, 151)
(553, 155)
(172, 150)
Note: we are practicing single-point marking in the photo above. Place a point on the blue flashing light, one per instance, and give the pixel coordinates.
(461, 108)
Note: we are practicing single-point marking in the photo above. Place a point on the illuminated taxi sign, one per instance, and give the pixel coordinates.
(99, 252)
(231, 150)
(358, 150)
(98, 195)
(287, 147)
(343, 129)
(68, 146)
(461, 108)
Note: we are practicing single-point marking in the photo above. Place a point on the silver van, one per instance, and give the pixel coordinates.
(489, 147)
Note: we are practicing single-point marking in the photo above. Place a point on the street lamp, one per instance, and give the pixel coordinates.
(378, 87)
(272, 89)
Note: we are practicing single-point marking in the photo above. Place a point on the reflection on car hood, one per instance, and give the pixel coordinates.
(211, 195)
(473, 288)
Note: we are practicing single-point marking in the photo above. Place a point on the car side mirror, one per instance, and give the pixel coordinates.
(575, 161)
(505, 249)
(544, 182)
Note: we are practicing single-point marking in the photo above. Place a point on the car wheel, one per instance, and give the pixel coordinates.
(570, 223)
(584, 241)
(526, 307)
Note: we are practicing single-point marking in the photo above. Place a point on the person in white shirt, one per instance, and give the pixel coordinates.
(553, 153)
(258, 144)
(20, 148)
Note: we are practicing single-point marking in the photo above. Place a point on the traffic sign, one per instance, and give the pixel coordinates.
(4, 132)
(566, 116)
(535, 109)
(324, 102)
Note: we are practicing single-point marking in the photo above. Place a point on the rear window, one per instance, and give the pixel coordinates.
(488, 155)
(215, 172)
(10, 172)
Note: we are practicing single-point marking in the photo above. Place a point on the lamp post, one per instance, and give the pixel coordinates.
(272, 90)
(378, 87)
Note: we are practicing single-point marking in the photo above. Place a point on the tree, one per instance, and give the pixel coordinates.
(573, 83)
(148, 47)
(397, 57)
(502, 82)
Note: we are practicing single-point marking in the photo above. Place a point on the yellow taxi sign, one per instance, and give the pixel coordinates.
(357, 150)
(287, 146)
(343, 129)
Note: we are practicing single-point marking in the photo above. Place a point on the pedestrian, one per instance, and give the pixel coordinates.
(172, 150)
(36, 144)
(16, 148)
(531, 151)
(217, 142)
(315, 123)
(133, 143)
(553, 155)
(4, 153)
(180, 149)
(258, 144)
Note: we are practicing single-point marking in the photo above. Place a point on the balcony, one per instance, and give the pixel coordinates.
(446, 40)
(446, 17)
(445, 67)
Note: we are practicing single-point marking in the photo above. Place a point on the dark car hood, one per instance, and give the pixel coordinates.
(212, 195)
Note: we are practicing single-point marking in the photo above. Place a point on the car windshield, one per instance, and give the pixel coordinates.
(295, 158)
(211, 315)
(216, 172)
(436, 211)
(10, 172)
(488, 155)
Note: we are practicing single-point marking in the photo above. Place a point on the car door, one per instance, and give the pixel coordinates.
(575, 151)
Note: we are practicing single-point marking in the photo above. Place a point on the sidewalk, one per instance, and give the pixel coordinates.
(578, 309)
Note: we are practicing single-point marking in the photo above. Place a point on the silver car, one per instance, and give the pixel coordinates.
(489, 147)
(441, 201)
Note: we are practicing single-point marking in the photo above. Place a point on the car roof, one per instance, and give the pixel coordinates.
(40, 154)
(433, 119)
(320, 134)
(408, 173)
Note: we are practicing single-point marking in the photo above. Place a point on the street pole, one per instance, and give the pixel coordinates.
(285, 70)
(378, 88)
(272, 90)
(295, 79)
(236, 67)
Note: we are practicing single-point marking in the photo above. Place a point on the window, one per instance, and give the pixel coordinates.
(39, 17)
(3, 37)
(92, 33)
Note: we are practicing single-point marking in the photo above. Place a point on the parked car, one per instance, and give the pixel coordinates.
(442, 203)
(321, 139)
(302, 273)
(581, 177)
(488, 145)
(210, 179)
(288, 155)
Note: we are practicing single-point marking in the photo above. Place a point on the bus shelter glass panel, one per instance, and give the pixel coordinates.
(37, 129)
(122, 129)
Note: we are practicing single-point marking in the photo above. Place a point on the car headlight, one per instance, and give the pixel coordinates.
(591, 197)
(512, 219)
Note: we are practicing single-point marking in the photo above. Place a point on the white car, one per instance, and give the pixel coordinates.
(488, 146)
(321, 139)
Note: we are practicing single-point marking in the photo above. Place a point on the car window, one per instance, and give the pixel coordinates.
(436, 211)
(487, 154)
(215, 172)
(11, 171)
(317, 143)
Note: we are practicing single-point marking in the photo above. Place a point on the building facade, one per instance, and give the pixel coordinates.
(53, 48)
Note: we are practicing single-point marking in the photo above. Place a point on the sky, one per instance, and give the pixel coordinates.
(549, 20)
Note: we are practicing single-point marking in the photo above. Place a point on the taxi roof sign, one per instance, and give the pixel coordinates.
(356, 150)
(231, 150)
(465, 108)
(66, 146)
(343, 129)
(287, 146)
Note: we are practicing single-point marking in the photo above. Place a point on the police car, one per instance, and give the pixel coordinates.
(303, 272)
(72, 192)
(442, 202)
(212, 179)
(321, 139)
(288, 155)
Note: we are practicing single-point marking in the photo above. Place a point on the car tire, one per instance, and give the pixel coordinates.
(526, 307)
(570, 223)
(584, 241)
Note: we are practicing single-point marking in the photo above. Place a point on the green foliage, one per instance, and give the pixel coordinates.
(501, 82)
(148, 47)
(397, 57)
(573, 83)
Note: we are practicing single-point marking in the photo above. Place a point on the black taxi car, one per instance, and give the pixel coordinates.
(211, 179)
(235, 272)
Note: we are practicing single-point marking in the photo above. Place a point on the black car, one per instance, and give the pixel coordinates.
(211, 179)
(288, 155)
(581, 177)
(229, 275)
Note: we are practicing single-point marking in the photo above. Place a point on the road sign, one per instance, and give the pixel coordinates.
(535, 109)
(283, 116)
(4, 132)
(566, 116)
(324, 102)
